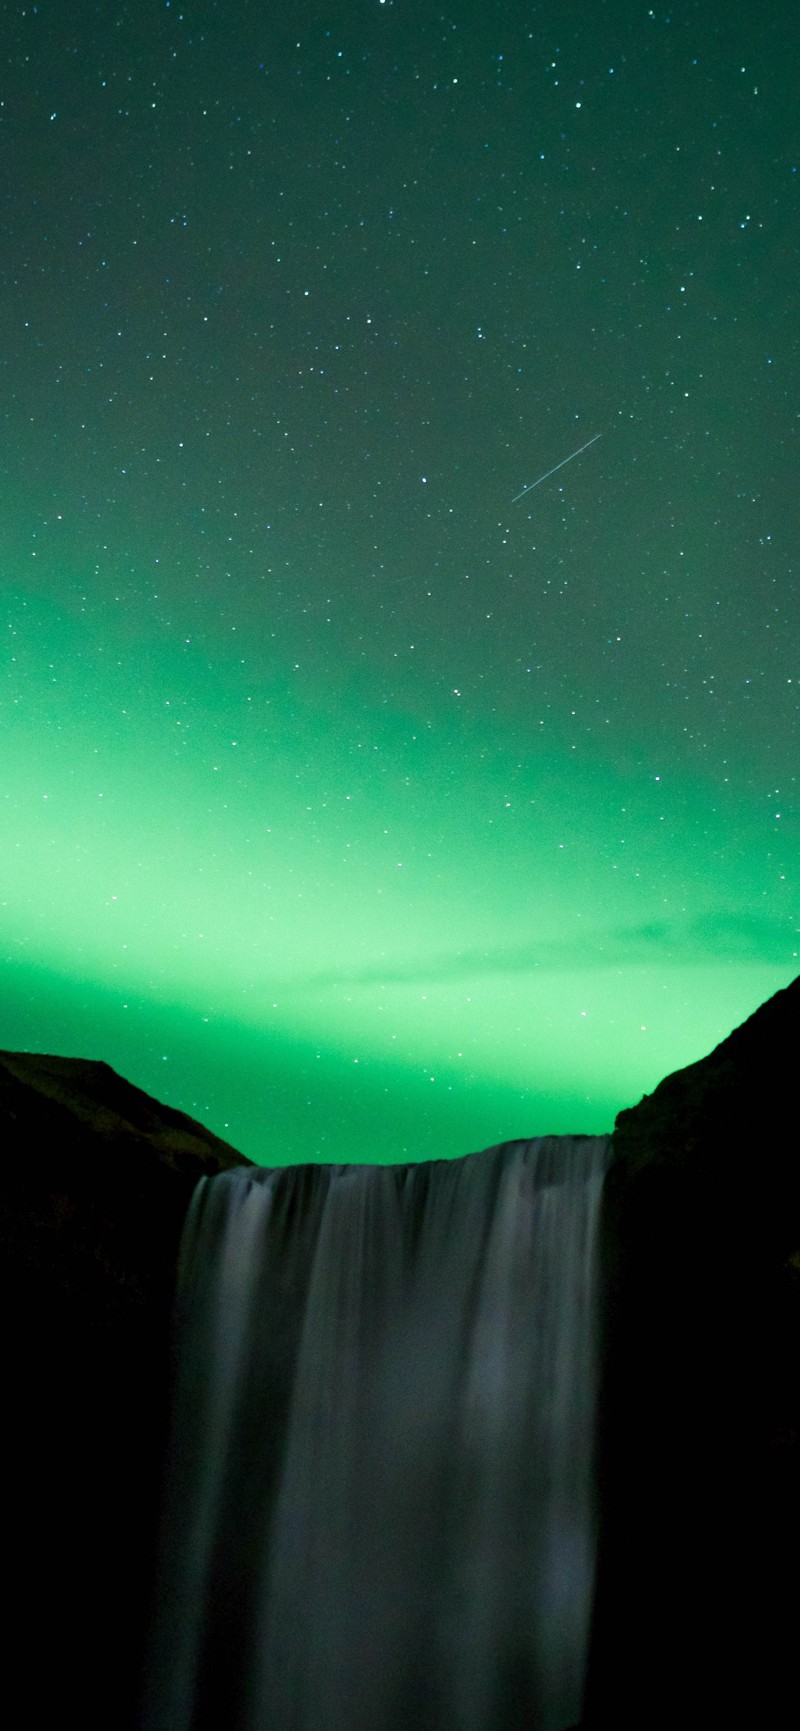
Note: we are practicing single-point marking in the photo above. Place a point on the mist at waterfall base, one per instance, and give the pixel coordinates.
(379, 1506)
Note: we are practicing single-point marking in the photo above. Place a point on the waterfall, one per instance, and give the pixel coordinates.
(379, 1508)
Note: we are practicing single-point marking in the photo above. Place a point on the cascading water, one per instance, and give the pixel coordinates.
(379, 1510)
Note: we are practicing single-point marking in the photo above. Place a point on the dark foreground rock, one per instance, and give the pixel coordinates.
(96, 1182)
(698, 1613)
(697, 1606)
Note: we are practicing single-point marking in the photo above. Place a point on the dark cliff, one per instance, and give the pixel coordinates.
(697, 1602)
(97, 1178)
(699, 1436)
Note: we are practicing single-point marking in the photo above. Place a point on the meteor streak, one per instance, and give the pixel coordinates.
(549, 472)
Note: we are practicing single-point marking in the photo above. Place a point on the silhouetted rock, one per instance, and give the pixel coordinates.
(697, 1604)
(699, 1439)
(97, 1178)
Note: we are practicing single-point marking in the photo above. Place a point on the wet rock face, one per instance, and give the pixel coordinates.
(96, 1182)
(699, 1436)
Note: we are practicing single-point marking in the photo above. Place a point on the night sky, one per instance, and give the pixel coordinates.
(349, 802)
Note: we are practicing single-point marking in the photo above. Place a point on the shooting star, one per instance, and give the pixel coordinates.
(549, 472)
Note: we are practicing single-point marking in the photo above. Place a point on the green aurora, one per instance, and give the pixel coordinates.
(348, 806)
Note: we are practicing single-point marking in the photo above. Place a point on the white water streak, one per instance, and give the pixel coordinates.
(423, 1550)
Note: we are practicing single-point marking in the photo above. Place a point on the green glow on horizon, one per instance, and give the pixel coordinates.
(451, 971)
(346, 803)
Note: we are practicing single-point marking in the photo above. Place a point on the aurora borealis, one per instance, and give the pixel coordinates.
(350, 803)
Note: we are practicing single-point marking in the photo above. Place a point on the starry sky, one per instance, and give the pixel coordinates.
(351, 802)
